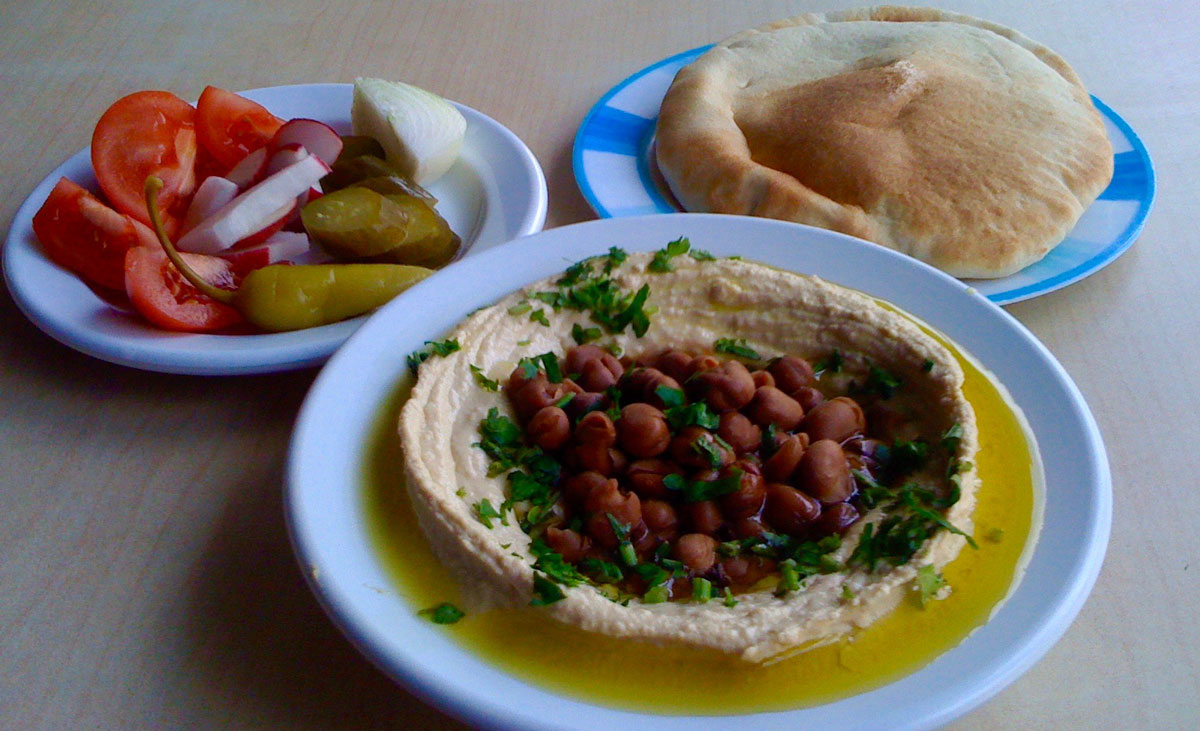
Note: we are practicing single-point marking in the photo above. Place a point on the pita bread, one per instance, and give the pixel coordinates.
(951, 139)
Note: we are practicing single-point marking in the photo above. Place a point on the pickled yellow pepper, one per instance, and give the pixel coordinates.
(281, 297)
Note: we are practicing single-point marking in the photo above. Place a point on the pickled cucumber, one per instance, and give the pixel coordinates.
(354, 170)
(361, 224)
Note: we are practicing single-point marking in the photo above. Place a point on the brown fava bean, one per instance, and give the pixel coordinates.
(789, 448)
(772, 406)
(792, 373)
(697, 551)
(696, 447)
(596, 458)
(641, 384)
(744, 571)
(705, 517)
(837, 419)
(749, 527)
(835, 519)
(624, 507)
(824, 473)
(643, 430)
(598, 369)
(517, 379)
(570, 545)
(789, 510)
(661, 518)
(536, 394)
(701, 363)
(596, 428)
(808, 398)
(549, 428)
(727, 387)
(739, 432)
(645, 476)
(749, 497)
(674, 363)
(762, 378)
(579, 485)
(585, 403)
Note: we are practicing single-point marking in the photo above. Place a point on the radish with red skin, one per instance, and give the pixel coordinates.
(256, 209)
(280, 247)
(212, 195)
(317, 137)
(250, 169)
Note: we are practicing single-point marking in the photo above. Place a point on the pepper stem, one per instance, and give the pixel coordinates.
(153, 185)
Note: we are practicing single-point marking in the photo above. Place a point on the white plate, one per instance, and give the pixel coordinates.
(325, 503)
(495, 192)
(615, 173)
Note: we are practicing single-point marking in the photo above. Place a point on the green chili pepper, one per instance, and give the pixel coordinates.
(282, 297)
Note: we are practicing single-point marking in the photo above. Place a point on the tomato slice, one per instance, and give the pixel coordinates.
(161, 295)
(80, 233)
(229, 126)
(147, 133)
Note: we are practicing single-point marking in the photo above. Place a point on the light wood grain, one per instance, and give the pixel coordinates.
(146, 580)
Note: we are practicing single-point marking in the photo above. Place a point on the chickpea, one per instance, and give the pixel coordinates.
(695, 446)
(645, 476)
(674, 363)
(824, 472)
(836, 519)
(789, 448)
(772, 406)
(728, 387)
(624, 507)
(837, 419)
(762, 378)
(643, 430)
(705, 517)
(739, 432)
(597, 458)
(549, 428)
(596, 428)
(808, 397)
(660, 517)
(598, 369)
(749, 497)
(579, 485)
(790, 510)
(697, 551)
(571, 545)
(792, 373)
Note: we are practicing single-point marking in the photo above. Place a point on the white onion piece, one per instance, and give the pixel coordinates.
(420, 132)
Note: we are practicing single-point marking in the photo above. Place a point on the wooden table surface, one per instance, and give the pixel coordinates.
(146, 579)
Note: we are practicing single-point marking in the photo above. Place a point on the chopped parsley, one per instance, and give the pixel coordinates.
(481, 378)
(583, 289)
(882, 382)
(661, 263)
(693, 414)
(832, 364)
(929, 583)
(539, 316)
(486, 513)
(444, 613)
(545, 591)
(585, 335)
(671, 397)
(439, 348)
(520, 308)
(696, 491)
(736, 348)
(927, 366)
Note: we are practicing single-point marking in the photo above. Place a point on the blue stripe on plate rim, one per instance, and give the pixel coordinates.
(616, 131)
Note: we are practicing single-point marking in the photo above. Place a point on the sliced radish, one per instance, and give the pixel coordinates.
(212, 195)
(286, 214)
(317, 137)
(280, 247)
(250, 170)
(281, 157)
(254, 210)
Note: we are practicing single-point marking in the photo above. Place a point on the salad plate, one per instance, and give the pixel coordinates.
(495, 192)
(328, 510)
(615, 170)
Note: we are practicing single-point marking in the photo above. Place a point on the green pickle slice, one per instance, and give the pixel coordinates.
(359, 223)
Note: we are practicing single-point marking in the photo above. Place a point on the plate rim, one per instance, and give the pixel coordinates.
(1094, 263)
(470, 703)
(254, 353)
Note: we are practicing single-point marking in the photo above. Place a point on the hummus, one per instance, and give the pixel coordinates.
(691, 302)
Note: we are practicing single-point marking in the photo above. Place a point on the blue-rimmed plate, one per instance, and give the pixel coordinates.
(613, 168)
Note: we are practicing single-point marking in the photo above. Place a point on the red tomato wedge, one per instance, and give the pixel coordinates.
(147, 133)
(80, 233)
(229, 126)
(161, 295)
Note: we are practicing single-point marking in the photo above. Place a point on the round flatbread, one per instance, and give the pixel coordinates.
(951, 139)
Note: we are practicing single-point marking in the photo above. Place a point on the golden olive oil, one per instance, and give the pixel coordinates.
(639, 676)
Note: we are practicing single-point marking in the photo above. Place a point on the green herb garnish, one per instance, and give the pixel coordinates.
(929, 583)
(671, 397)
(583, 334)
(439, 348)
(882, 382)
(444, 613)
(701, 589)
(487, 383)
(486, 513)
(662, 258)
(539, 316)
(695, 491)
(736, 348)
(833, 363)
(545, 591)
